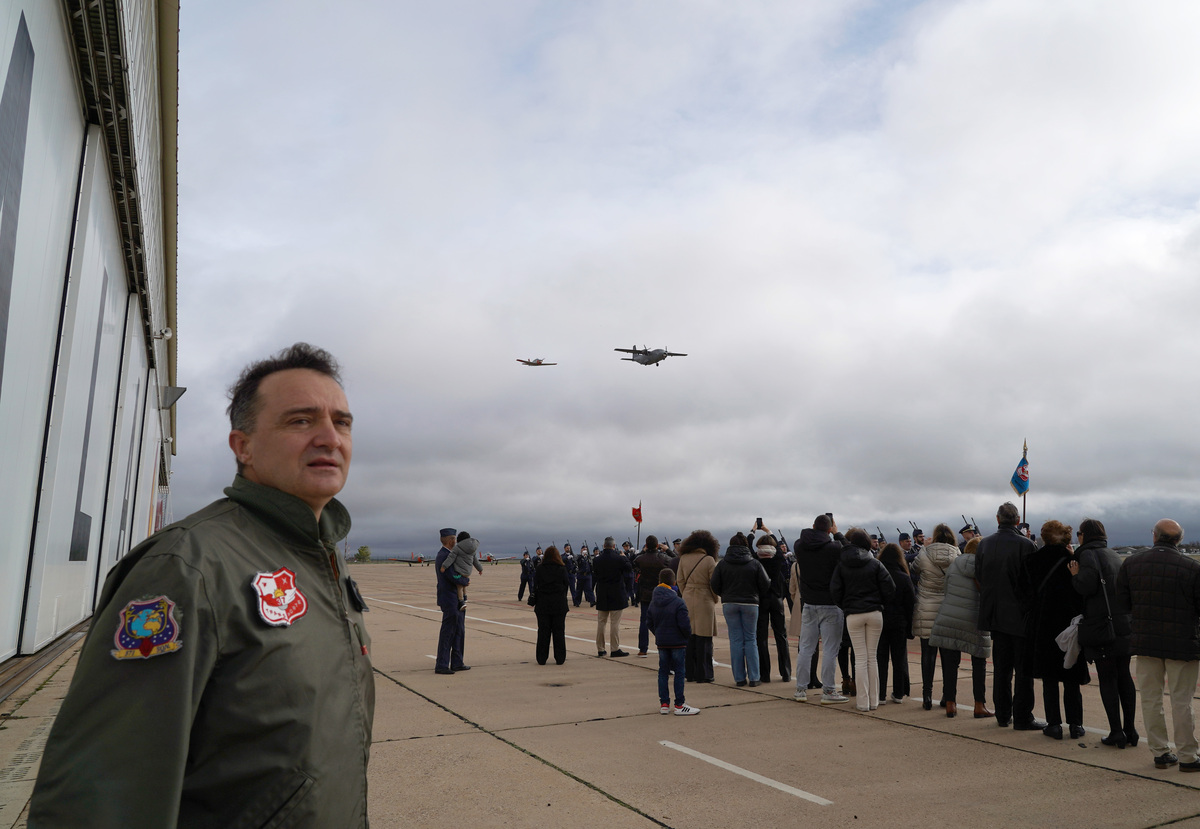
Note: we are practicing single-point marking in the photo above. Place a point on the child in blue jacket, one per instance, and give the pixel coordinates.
(668, 618)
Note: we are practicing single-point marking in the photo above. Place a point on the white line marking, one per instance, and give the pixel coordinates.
(758, 778)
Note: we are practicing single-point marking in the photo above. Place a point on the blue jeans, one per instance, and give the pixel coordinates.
(742, 621)
(670, 659)
(823, 622)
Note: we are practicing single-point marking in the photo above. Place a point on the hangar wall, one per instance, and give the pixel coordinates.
(86, 287)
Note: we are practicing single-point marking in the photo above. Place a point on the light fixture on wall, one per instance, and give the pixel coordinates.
(164, 334)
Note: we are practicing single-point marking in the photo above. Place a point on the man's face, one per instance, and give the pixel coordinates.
(905, 544)
(301, 441)
(968, 535)
(920, 538)
(448, 541)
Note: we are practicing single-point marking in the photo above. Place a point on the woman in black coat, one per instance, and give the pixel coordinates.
(551, 607)
(1094, 561)
(1055, 604)
(897, 625)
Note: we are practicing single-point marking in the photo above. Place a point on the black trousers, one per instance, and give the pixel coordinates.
(1117, 690)
(551, 624)
(950, 662)
(770, 614)
(893, 647)
(698, 659)
(1072, 700)
(1012, 686)
(929, 656)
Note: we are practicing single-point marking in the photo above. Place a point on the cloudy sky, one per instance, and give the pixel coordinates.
(894, 239)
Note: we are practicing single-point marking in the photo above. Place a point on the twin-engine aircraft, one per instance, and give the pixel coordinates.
(646, 356)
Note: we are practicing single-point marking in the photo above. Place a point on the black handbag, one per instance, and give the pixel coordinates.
(1098, 631)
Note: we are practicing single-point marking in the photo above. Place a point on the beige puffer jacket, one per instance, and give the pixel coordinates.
(931, 563)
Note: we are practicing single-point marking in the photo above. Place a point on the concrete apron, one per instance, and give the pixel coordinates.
(583, 743)
(512, 743)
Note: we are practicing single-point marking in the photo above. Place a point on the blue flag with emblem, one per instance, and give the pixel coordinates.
(1020, 477)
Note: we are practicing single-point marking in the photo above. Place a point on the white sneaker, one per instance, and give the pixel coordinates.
(897, 699)
(665, 708)
(833, 699)
(800, 696)
(685, 710)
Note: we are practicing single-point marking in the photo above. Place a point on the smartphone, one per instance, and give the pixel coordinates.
(830, 515)
(758, 524)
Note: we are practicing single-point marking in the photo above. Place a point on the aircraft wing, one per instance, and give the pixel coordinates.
(674, 354)
(631, 350)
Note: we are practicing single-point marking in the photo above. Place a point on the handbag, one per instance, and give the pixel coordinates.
(1098, 631)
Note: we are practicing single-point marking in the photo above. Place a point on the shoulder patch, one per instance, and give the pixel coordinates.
(280, 601)
(147, 628)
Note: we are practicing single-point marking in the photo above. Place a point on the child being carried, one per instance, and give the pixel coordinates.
(457, 566)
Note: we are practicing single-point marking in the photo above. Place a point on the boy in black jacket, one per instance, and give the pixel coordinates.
(667, 616)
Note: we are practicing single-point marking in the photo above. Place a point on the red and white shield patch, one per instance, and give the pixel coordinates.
(280, 602)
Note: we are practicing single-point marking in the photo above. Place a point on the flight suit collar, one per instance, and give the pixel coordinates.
(290, 516)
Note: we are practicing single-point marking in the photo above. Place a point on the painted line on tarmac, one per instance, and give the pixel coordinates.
(757, 778)
(503, 624)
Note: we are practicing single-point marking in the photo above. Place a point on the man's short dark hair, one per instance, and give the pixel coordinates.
(243, 395)
(1008, 515)
(822, 523)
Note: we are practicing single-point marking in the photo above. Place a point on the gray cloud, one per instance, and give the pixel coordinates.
(894, 243)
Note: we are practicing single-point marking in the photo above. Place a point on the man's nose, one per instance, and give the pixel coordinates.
(327, 434)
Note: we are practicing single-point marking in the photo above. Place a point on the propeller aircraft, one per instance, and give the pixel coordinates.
(536, 361)
(648, 356)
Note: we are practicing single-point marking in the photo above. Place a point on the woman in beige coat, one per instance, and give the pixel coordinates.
(697, 560)
(931, 565)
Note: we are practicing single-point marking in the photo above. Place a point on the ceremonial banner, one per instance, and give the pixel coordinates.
(1020, 477)
(637, 512)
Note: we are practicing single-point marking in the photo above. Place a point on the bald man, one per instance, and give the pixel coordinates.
(1161, 586)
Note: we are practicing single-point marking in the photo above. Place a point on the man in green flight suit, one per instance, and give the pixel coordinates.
(226, 678)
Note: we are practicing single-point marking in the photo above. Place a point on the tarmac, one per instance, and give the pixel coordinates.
(512, 743)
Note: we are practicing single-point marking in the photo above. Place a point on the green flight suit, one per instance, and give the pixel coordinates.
(226, 705)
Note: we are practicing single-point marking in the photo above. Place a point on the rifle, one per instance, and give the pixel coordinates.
(882, 537)
(976, 526)
(898, 533)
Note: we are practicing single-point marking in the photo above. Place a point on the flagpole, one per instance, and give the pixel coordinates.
(1025, 494)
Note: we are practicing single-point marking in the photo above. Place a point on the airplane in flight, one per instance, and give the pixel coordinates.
(536, 361)
(648, 356)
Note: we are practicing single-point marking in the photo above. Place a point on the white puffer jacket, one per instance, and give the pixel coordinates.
(931, 563)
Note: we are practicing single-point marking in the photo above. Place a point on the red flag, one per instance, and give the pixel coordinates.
(637, 512)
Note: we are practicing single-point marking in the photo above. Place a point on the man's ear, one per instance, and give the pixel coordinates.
(239, 442)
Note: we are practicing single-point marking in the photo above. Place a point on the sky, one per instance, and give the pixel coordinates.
(895, 240)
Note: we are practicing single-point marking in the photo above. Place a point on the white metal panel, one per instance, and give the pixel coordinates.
(118, 523)
(42, 214)
(71, 506)
(148, 462)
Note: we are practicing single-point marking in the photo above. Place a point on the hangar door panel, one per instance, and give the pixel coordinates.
(71, 510)
(41, 140)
